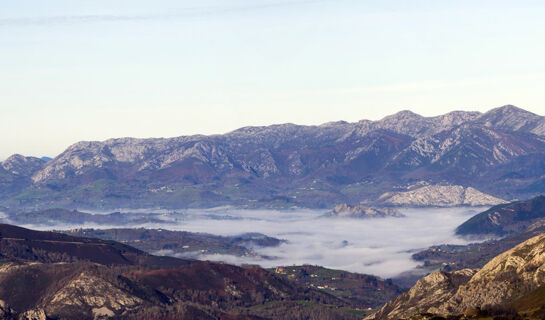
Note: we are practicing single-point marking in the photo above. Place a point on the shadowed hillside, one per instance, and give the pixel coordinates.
(48, 274)
(504, 219)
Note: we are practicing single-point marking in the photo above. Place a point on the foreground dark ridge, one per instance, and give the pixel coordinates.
(500, 152)
(48, 275)
(52, 247)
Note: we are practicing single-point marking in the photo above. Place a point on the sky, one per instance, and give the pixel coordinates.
(73, 70)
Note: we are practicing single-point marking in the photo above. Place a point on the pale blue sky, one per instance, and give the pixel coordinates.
(93, 69)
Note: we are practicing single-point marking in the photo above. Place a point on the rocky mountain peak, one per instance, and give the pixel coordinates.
(22, 166)
(513, 118)
(455, 118)
(401, 116)
(503, 115)
(405, 122)
(510, 109)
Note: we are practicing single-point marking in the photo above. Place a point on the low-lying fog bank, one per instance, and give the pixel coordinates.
(381, 246)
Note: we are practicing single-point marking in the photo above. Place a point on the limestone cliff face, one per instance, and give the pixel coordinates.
(428, 293)
(509, 276)
(61, 290)
(87, 291)
(440, 196)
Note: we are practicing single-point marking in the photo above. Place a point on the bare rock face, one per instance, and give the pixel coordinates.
(22, 166)
(505, 278)
(412, 124)
(58, 292)
(509, 275)
(440, 196)
(5, 311)
(428, 293)
(36, 314)
(514, 119)
(90, 292)
(360, 211)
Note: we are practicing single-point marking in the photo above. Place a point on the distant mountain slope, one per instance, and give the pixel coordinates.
(58, 216)
(19, 165)
(511, 282)
(511, 118)
(505, 218)
(475, 255)
(515, 222)
(50, 247)
(16, 172)
(182, 243)
(501, 153)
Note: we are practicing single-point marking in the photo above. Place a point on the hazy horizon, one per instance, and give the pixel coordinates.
(4, 156)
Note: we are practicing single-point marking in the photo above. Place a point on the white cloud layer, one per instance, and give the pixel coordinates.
(375, 246)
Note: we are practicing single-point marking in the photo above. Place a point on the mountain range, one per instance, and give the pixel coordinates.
(500, 154)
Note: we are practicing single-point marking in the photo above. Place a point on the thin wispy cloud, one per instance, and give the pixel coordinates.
(178, 14)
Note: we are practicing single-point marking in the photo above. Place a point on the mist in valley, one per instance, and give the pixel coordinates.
(380, 246)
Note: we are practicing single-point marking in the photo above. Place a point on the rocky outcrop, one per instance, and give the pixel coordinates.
(35, 314)
(62, 291)
(509, 276)
(427, 294)
(440, 196)
(90, 292)
(360, 211)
